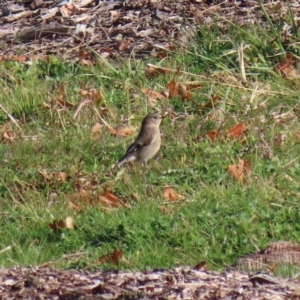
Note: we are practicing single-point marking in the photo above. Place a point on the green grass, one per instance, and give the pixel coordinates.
(218, 218)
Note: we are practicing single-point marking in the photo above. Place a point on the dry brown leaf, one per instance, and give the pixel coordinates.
(8, 136)
(172, 47)
(92, 94)
(61, 177)
(96, 95)
(83, 54)
(74, 206)
(46, 105)
(192, 86)
(228, 78)
(46, 176)
(114, 16)
(20, 58)
(63, 103)
(69, 223)
(280, 139)
(153, 96)
(201, 266)
(213, 134)
(105, 55)
(171, 194)
(126, 131)
(237, 130)
(84, 93)
(57, 226)
(47, 59)
(110, 200)
(173, 88)
(166, 93)
(125, 44)
(81, 195)
(156, 71)
(184, 93)
(165, 210)
(179, 89)
(112, 130)
(97, 128)
(67, 10)
(210, 103)
(106, 50)
(237, 171)
(162, 54)
(122, 132)
(241, 170)
(89, 195)
(6, 126)
(286, 66)
(96, 131)
(103, 111)
(135, 197)
(86, 62)
(113, 257)
(153, 71)
(272, 268)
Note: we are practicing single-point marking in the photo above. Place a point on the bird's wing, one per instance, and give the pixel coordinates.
(139, 143)
(130, 155)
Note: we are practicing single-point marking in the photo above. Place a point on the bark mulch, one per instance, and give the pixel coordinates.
(77, 29)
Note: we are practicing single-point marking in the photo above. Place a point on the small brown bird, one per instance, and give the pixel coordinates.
(147, 142)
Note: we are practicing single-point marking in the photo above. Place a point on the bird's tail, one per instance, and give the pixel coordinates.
(126, 158)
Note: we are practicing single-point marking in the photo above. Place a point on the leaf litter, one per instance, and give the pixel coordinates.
(118, 28)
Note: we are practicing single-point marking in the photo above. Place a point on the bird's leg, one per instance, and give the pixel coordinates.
(147, 166)
(144, 163)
